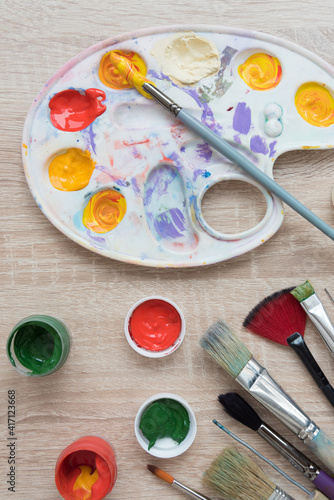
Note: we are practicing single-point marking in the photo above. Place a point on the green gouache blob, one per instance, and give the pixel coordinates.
(38, 345)
(165, 418)
(303, 291)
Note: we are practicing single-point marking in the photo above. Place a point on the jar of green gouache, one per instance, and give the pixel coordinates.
(38, 345)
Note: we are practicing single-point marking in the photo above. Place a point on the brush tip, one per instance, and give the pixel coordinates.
(160, 473)
(303, 291)
(240, 410)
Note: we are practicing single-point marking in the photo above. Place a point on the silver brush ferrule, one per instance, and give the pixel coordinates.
(190, 492)
(318, 315)
(162, 98)
(257, 381)
(294, 456)
(279, 494)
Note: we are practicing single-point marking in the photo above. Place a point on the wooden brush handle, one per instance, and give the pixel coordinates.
(298, 344)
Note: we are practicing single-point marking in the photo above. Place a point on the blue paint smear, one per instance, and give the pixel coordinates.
(258, 144)
(159, 183)
(170, 224)
(242, 118)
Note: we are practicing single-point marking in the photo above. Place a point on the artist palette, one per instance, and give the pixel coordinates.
(117, 174)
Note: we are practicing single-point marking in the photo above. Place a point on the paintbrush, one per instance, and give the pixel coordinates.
(315, 310)
(315, 495)
(149, 89)
(280, 318)
(170, 480)
(240, 410)
(236, 476)
(232, 355)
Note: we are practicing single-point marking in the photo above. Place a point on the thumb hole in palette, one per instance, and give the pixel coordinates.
(233, 206)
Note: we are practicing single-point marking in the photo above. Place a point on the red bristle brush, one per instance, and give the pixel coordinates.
(280, 318)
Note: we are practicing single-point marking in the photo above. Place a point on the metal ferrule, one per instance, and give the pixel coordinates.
(257, 381)
(279, 494)
(191, 493)
(317, 314)
(294, 456)
(162, 98)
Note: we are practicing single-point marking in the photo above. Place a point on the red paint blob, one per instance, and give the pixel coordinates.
(155, 325)
(72, 110)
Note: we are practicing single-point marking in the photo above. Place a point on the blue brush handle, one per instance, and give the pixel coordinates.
(239, 159)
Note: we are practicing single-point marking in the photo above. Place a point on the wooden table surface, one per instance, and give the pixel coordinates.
(103, 383)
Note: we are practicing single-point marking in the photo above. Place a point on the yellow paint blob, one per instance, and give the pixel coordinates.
(261, 71)
(85, 481)
(72, 170)
(110, 76)
(315, 104)
(104, 211)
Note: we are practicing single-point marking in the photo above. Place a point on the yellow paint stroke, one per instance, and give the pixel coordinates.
(104, 211)
(261, 71)
(310, 147)
(315, 104)
(109, 74)
(26, 148)
(72, 170)
(85, 481)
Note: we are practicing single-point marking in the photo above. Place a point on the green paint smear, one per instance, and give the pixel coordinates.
(37, 347)
(165, 418)
(303, 291)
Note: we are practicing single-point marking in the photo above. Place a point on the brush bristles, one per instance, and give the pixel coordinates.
(277, 317)
(303, 291)
(160, 473)
(240, 410)
(225, 348)
(236, 476)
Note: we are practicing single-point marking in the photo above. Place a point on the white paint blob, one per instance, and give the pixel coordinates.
(273, 126)
(186, 58)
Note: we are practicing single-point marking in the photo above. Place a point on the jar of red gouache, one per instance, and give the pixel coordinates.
(155, 327)
(86, 469)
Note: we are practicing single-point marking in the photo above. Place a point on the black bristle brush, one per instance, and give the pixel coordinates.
(240, 410)
(280, 318)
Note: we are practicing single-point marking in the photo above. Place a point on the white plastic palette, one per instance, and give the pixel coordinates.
(161, 169)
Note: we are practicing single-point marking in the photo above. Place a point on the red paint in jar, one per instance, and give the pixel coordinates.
(155, 325)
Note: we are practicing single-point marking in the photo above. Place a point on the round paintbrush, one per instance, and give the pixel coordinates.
(241, 411)
(280, 318)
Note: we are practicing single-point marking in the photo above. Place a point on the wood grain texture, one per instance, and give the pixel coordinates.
(103, 383)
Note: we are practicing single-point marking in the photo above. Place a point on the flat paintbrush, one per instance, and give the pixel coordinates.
(170, 480)
(236, 476)
(149, 89)
(240, 410)
(231, 354)
(280, 318)
(315, 310)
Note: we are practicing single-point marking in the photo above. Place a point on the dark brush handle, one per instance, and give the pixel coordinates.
(298, 344)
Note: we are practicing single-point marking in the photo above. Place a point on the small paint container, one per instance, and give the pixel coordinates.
(155, 327)
(38, 345)
(154, 418)
(86, 469)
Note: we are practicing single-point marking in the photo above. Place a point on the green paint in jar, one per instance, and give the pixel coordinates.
(165, 418)
(38, 345)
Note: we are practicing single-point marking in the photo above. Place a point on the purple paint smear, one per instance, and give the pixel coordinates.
(258, 144)
(207, 114)
(89, 137)
(170, 224)
(204, 151)
(198, 172)
(242, 118)
(272, 150)
(159, 180)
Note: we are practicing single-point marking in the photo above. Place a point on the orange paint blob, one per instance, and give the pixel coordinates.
(315, 104)
(104, 211)
(261, 71)
(72, 170)
(84, 482)
(111, 77)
